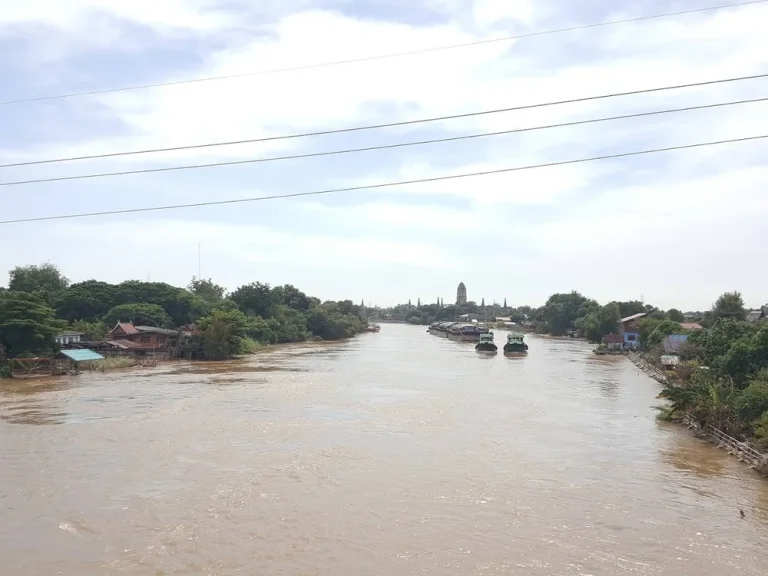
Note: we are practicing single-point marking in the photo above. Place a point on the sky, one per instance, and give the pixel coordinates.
(675, 229)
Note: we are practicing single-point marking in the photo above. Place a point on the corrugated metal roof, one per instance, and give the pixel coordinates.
(82, 355)
(692, 326)
(754, 315)
(670, 360)
(154, 330)
(124, 344)
(634, 317)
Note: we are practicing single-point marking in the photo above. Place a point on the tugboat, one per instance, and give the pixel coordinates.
(486, 343)
(515, 344)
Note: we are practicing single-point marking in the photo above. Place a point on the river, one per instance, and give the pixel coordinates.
(397, 453)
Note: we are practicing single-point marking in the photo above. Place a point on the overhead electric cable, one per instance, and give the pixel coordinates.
(372, 148)
(393, 124)
(383, 184)
(382, 56)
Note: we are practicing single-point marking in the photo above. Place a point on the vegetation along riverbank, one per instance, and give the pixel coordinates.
(41, 313)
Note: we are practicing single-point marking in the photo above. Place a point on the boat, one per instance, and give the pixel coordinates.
(373, 328)
(486, 343)
(515, 344)
(440, 328)
(466, 332)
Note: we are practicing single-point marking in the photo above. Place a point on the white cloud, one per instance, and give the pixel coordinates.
(645, 204)
(494, 12)
(73, 14)
(262, 244)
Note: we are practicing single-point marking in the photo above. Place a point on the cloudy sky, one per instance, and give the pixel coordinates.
(677, 228)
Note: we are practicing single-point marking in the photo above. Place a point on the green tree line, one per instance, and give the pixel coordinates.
(41, 302)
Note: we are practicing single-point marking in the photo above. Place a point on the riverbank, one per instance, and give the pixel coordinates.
(742, 450)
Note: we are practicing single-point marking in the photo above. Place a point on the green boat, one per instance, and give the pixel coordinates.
(515, 344)
(486, 343)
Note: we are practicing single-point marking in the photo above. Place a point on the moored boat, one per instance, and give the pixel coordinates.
(466, 332)
(440, 328)
(373, 328)
(515, 344)
(486, 343)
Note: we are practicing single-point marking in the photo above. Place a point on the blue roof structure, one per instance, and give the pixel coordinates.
(82, 355)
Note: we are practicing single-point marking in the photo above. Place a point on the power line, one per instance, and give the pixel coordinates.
(380, 147)
(382, 56)
(387, 125)
(384, 184)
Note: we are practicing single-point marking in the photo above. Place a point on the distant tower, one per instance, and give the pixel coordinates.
(482, 303)
(441, 303)
(505, 303)
(418, 302)
(362, 303)
(461, 294)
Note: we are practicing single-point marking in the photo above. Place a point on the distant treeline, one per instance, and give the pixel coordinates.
(574, 313)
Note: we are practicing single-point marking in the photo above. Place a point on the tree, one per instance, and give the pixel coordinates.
(95, 330)
(223, 334)
(45, 279)
(181, 305)
(89, 300)
(752, 403)
(206, 289)
(631, 308)
(255, 299)
(605, 321)
(561, 311)
(139, 314)
(729, 305)
(288, 325)
(328, 323)
(289, 295)
(27, 324)
(675, 315)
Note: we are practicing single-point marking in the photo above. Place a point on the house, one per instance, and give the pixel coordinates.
(142, 338)
(67, 337)
(691, 326)
(122, 330)
(670, 362)
(613, 342)
(629, 331)
(756, 315)
(189, 330)
(672, 343)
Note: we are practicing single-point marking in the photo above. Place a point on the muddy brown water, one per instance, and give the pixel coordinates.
(396, 453)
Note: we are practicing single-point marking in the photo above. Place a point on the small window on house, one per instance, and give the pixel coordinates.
(631, 337)
(161, 339)
(145, 340)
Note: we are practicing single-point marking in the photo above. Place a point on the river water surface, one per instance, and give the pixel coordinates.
(396, 453)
